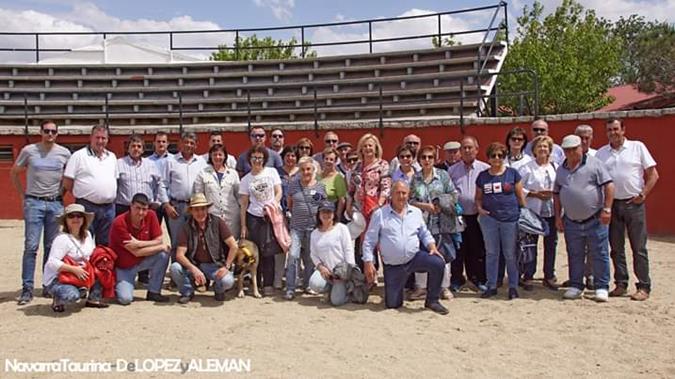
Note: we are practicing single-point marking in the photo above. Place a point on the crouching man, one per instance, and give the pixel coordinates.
(205, 250)
(136, 237)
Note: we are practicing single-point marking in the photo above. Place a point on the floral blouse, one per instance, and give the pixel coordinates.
(423, 192)
(369, 183)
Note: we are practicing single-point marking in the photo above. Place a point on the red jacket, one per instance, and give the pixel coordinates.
(103, 260)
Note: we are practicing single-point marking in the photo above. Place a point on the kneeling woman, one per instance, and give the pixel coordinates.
(330, 245)
(77, 244)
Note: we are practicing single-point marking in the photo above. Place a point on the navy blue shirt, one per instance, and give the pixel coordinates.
(499, 194)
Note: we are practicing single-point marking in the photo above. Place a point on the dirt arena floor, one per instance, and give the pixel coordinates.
(539, 335)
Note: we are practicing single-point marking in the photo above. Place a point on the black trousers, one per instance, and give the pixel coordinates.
(471, 255)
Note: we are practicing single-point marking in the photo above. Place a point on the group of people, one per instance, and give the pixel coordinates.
(435, 219)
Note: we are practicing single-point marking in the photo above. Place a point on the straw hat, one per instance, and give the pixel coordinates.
(77, 208)
(199, 200)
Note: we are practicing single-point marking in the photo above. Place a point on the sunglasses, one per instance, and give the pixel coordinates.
(539, 130)
(278, 136)
(257, 159)
(75, 215)
(427, 157)
(331, 141)
(257, 136)
(496, 156)
(406, 156)
(412, 143)
(517, 139)
(50, 131)
(304, 148)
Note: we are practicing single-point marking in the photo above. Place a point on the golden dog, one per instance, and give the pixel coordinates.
(247, 260)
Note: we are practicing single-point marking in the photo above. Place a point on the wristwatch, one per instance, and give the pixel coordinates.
(607, 210)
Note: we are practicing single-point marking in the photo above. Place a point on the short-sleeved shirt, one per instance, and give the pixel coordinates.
(260, 190)
(499, 194)
(44, 170)
(580, 190)
(306, 201)
(201, 252)
(94, 177)
(626, 165)
(273, 161)
(121, 230)
(336, 187)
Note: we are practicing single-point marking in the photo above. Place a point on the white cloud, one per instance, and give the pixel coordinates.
(398, 28)
(282, 9)
(662, 10)
(87, 17)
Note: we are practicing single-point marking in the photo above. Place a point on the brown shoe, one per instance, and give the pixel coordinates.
(618, 291)
(418, 294)
(640, 295)
(446, 294)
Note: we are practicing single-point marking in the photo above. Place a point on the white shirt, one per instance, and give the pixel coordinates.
(626, 166)
(260, 189)
(223, 194)
(592, 151)
(332, 247)
(94, 178)
(538, 178)
(516, 165)
(66, 244)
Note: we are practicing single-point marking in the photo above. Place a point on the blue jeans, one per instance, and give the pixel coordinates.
(337, 288)
(596, 236)
(104, 214)
(183, 279)
(499, 236)
(550, 244)
(66, 293)
(396, 276)
(39, 216)
(299, 250)
(126, 277)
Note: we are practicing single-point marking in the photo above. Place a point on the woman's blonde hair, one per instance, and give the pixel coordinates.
(365, 138)
(543, 139)
(307, 160)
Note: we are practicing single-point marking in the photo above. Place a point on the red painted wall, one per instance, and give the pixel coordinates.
(656, 132)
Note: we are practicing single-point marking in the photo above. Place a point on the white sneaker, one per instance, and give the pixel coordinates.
(572, 293)
(601, 295)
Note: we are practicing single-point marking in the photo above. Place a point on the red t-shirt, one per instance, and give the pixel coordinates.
(121, 230)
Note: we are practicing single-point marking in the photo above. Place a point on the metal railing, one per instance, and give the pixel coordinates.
(303, 44)
(477, 104)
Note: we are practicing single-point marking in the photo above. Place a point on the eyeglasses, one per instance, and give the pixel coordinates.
(427, 157)
(352, 160)
(517, 139)
(257, 159)
(257, 135)
(412, 143)
(50, 131)
(304, 148)
(539, 130)
(497, 156)
(75, 215)
(331, 141)
(406, 156)
(277, 136)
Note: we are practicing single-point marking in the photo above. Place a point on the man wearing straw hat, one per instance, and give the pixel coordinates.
(205, 251)
(136, 238)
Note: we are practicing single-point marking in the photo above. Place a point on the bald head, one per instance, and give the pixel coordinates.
(413, 143)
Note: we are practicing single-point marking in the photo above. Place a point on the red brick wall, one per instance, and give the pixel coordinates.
(658, 133)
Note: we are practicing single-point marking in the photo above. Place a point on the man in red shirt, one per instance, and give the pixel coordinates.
(136, 238)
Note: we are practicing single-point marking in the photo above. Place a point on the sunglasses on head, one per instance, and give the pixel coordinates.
(75, 215)
(50, 131)
(257, 135)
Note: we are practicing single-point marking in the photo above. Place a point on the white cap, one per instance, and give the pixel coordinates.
(570, 141)
(452, 145)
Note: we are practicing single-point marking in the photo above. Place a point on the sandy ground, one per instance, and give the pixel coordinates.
(538, 335)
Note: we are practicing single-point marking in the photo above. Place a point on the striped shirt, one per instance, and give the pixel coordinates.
(139, 177)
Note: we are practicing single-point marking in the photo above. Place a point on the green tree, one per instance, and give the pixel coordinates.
(574, 53)
(447, 41)
(253, 48)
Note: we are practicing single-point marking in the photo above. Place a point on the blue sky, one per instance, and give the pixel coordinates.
(128, 15)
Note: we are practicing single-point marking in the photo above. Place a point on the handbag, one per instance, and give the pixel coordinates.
(67, 277)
